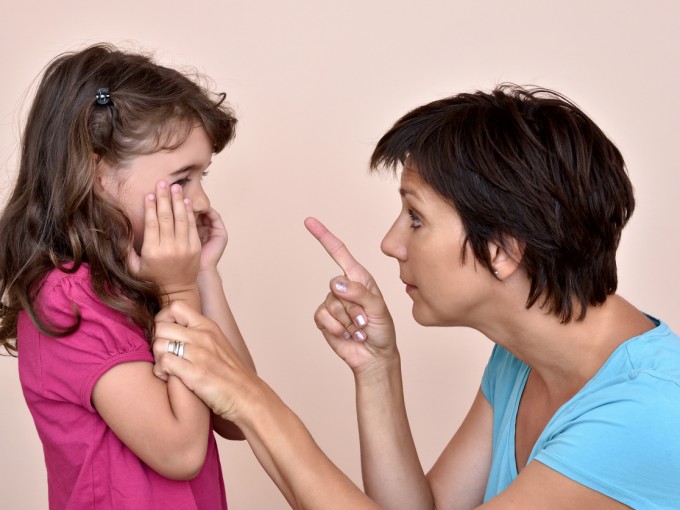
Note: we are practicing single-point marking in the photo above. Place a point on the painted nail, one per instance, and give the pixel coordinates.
(346, 335)
(360, 320)
(360, 336)
(163, 184)
(176, 188)
(151, 197)
(341, 286)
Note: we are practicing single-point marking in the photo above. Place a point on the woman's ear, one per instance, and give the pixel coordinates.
(506, 256)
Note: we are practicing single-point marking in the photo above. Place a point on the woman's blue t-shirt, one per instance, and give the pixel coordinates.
(619, 435)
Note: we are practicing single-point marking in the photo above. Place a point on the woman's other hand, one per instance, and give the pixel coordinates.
(210, 367)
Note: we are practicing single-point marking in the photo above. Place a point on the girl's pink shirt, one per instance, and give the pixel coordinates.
(88, 467)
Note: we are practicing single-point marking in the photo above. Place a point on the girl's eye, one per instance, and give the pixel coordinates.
(205, 173)
(182, 181)
(415, 220)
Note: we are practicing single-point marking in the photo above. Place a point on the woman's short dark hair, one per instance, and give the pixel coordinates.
(530, 165)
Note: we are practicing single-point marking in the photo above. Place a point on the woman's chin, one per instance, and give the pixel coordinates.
(422, 316)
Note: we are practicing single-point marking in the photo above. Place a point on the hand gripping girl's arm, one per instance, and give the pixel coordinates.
(163, 423)
(280, 441)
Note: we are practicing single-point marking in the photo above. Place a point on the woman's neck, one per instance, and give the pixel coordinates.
(566, 356)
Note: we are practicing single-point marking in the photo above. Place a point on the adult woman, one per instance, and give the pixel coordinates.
(513, 205)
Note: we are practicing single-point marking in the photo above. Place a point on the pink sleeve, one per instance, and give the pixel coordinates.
(73, 364)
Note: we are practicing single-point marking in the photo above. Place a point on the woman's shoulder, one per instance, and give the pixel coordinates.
(655, 353)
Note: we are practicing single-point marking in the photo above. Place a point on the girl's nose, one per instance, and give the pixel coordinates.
(199, 200)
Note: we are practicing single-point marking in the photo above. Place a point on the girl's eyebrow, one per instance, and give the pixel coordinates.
(189, 168)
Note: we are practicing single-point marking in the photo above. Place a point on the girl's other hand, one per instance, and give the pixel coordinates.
(171, 250)
(214, 238)
(353, 318)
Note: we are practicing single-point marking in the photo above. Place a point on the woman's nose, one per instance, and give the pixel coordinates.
(392, 244)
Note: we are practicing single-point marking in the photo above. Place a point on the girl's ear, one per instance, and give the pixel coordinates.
(104, 178)
(506, 256)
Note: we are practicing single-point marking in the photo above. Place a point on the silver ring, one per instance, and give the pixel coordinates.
(176, 348)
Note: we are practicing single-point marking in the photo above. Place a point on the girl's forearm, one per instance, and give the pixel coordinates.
(392, 473)
(192, 422)
(215, 306)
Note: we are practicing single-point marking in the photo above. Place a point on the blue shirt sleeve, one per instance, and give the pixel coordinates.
(622, 440)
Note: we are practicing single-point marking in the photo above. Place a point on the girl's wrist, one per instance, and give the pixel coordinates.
(186, 293)
(208, 272)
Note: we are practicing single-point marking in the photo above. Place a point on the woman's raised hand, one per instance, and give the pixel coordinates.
(353, 318)
(171, 250)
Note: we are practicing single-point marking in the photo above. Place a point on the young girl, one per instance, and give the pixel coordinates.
(108, 222)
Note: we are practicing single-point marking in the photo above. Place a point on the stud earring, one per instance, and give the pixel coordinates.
(496, 273)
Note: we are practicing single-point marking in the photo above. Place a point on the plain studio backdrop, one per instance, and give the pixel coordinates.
(315, 84)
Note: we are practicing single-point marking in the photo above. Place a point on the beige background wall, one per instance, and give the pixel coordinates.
(315, 84)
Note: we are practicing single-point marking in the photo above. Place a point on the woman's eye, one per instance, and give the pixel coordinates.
(182, 181)
(415, 220)
(205, 174)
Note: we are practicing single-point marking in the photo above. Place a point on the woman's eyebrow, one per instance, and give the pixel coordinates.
(408, 191)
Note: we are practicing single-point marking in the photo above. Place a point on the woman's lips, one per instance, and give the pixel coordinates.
(409, 287)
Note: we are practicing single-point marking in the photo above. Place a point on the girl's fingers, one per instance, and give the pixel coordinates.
(179, 211)
(166, 221)
(191, 222)
(151, 232)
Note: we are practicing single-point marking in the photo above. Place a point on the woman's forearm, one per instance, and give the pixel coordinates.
(392, 473)
(288, 453)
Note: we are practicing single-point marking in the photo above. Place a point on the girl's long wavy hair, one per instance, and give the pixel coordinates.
(54, 218)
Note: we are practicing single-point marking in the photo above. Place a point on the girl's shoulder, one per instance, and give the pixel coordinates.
(67, 282)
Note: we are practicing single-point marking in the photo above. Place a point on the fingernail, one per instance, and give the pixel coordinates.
(187, 201)
(176, 188)
(360, 336)
(360, 320)
(163, 184)
(151, 197)
(341, 286)
(346, 335)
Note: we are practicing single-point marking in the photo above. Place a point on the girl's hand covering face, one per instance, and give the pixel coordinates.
(213, 236)
(353, 318)
(171, 250)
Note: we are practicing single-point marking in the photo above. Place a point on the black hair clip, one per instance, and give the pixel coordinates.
(102, 95)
